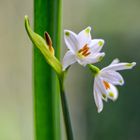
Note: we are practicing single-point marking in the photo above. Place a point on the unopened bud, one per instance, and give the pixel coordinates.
(45, 48)
(49, 42)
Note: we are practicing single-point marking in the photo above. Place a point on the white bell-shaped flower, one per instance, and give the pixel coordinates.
(106, 80)
(82, 48)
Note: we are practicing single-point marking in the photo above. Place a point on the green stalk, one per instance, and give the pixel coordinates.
(65, 110)
(95, 70)
(47, 17)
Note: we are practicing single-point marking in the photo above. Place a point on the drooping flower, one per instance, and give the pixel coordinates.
(106, 80)
(82, 48)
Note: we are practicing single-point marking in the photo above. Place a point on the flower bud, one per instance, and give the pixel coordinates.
(44, 47)
(49, 42)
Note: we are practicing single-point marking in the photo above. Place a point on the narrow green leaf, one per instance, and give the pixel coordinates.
(46, 93)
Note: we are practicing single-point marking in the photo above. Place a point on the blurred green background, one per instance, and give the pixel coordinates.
(117, 22)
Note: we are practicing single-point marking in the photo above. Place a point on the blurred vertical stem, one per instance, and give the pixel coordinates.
(47, 17)
(65, 109)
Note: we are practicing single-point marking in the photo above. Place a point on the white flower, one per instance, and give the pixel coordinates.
(82, 48)
(105, 81)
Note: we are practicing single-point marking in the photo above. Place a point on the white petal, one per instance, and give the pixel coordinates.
(71, 40)
(101, 87)
(81, 61)
(115, 61)
(120, 66)
(68, 59)
(112, 77)
(96, 45)
(90, 59)
(84, 37)
(113, 93)
(94, 58)
(98, 99)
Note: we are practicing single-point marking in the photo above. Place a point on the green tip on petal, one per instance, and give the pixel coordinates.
(104, 95)
(87, 30)
(101, 57)
(111, 94)
(131, 64)
(100, 43)
(121, 81)
(67, 33)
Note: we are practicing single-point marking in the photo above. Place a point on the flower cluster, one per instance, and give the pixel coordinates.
(87, 51)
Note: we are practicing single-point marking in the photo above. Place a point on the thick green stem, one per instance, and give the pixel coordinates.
(66, 114)
(47, 17)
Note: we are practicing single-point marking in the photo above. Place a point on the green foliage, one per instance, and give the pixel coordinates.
(46, 92)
